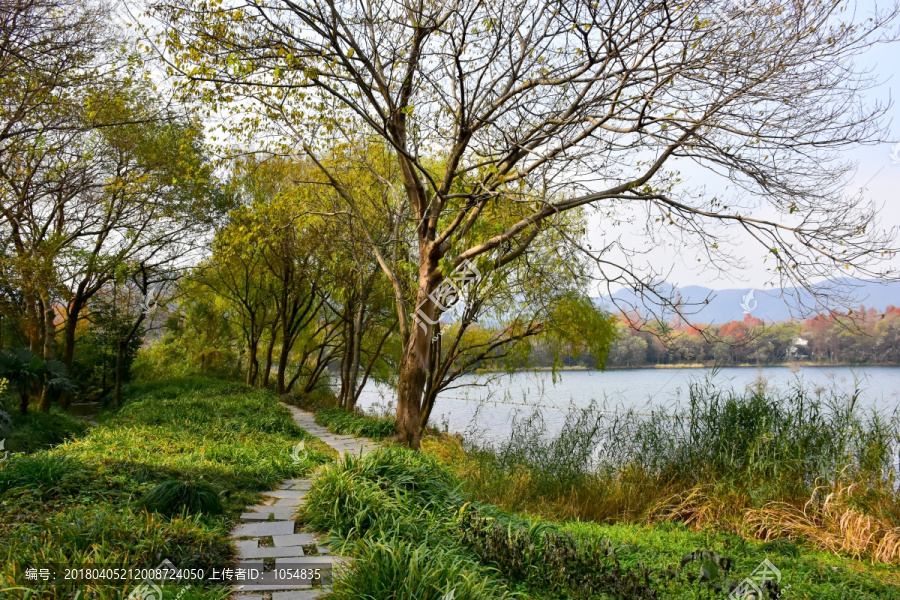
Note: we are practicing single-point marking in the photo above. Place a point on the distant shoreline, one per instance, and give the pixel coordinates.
(698, 366)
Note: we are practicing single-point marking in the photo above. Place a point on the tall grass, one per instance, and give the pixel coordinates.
(340, 421)
(148, 483)
(756, 461)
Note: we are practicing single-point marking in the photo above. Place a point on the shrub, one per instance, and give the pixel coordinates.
(342, 422)
(400, 570)
(173, 497)
(39, 430)
(790, 464)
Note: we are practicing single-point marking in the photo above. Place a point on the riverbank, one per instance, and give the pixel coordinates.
(533, 488)
(450, 519)
(698, 365)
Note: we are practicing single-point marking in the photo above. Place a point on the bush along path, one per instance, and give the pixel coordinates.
(267, 540)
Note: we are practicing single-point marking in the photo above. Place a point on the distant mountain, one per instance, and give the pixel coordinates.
(769, 305)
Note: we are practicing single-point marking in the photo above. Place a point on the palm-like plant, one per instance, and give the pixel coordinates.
(28, 373)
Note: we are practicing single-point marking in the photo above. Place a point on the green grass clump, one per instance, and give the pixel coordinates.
(85, 502)
(796, 464)
(398, 569)
(172, 497)
(346, 423)
(412, 533)
(39, 430)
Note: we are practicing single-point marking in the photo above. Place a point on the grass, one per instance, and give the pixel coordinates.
(810, 468)
(346, 423)
(38, 430)
(190, 447)
(681, 508)
(413, 533)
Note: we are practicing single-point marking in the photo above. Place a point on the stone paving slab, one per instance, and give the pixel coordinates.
(289, 503)
(271, 515)
(296, 539)
(246, 544)
(280, 504)
(297, 595)
(286, 493)
(268, 552)
(264, 529)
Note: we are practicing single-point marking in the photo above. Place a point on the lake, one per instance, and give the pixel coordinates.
(497, 399)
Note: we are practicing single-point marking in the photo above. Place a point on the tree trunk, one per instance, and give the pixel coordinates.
(413, 372)
(269, 352)
(69, 334)
(282, 366)
(411, 386)
(413, 375)
(49, 327)
(31, 323)
(120, 367)
(23, 403)
(252, 364)
(44, 404)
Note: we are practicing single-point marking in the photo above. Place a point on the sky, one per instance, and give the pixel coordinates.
(876, 173)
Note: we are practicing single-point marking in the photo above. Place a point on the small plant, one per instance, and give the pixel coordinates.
(544, 558)
(173, 497)
(346, 423)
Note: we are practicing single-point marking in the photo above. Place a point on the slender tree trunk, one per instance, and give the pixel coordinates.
(31, 323)
(120, 372)
(49, 327)
(75, 307)
(44, 404)
(269, 352)
(282, 366)
(355, 355)
(23, 403)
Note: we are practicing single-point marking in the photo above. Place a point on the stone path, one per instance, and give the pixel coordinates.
(268, 533)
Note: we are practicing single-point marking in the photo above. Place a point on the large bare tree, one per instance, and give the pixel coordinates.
(504, 114)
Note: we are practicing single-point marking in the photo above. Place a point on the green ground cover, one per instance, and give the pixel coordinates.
(136, 489)
(415, 535)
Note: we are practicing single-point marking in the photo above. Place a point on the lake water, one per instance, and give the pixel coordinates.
(497, 399)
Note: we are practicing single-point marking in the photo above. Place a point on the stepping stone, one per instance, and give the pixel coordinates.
(289, 502)
(322, 549)
(297, 595)
(246, 544)
(296, 539)
(248, 597)
(303, 485)
(276, 514)
(292, 481)
(267, 552)
(259, 587)
(286, 493)
(272, 528)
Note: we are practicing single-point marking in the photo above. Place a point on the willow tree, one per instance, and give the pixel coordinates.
(538, 107)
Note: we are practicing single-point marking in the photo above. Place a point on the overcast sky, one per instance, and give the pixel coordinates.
(876, 174)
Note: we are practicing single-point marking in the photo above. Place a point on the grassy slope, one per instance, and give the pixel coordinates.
(79, 503)
(811, 572)
(394, 509)
(37, 430)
